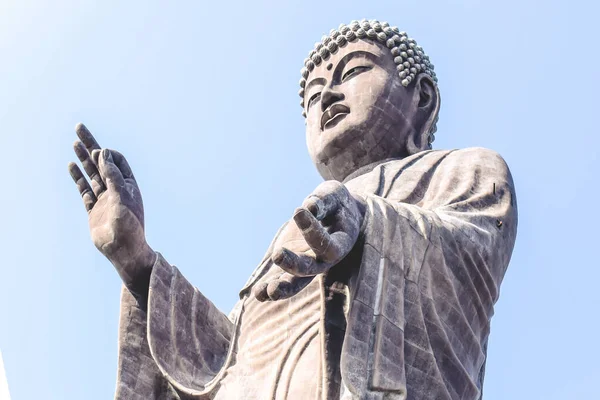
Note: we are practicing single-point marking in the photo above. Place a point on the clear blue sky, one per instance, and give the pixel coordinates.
(202, 99)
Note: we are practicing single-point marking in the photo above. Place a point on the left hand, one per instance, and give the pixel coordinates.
(324, 231)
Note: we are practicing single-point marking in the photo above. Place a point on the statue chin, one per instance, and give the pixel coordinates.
(348, 150)
(324, 171)
(335, 154)
(336, 167)
(328, 163)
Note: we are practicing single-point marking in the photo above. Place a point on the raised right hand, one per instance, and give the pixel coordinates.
(115, 210)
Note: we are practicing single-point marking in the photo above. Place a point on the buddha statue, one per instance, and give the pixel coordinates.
(380, 286)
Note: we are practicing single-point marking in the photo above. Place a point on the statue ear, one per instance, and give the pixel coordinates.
(428, 104)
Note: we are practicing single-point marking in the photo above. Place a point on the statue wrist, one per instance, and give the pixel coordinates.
(135, 270)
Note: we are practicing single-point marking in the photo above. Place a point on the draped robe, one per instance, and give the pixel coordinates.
(406, 315)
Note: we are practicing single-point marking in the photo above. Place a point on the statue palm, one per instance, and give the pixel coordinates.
(115, 209)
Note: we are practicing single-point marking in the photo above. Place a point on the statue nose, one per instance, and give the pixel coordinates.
(330, 96)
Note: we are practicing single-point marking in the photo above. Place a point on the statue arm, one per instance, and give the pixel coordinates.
(175, 341)
(467, 199)
(138, 376)
(445, 255)
(188, 336)
(177, 344)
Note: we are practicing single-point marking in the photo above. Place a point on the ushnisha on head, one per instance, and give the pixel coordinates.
(369, 93)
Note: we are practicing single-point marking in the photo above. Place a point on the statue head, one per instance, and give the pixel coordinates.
(369, 94)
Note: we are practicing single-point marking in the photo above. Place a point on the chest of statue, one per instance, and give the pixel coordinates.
(279, 348)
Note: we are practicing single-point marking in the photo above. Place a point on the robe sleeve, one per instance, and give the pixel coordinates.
(176, 348)
(138, 377)
(421, 301)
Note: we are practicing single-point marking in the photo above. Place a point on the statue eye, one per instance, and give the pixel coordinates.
(353, 72)
(313, 99)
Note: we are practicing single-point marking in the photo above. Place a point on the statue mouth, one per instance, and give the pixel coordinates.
(333, 115)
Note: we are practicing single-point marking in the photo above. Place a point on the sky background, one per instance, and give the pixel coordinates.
(202, 99)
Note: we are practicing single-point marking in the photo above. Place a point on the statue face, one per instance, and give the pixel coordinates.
(358, 112)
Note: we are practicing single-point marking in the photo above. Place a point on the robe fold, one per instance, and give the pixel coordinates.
(405, 316)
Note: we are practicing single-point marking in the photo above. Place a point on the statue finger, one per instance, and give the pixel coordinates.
(121, 163)
(299, 265)
(343, 234)
(329, 248)
(347, 220)
(341, 244)
(110, 173)
(86, 137)
(89, 199)
(259, 291)
(90, 167)
(287, 285)
(326, 199)
(96, 156)
(314, 233)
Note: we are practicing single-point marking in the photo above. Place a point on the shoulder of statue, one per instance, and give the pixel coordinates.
(471, 163)
(479, 165)
(458, 159)
(466, 163)
(476, 158)
(477, 152)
